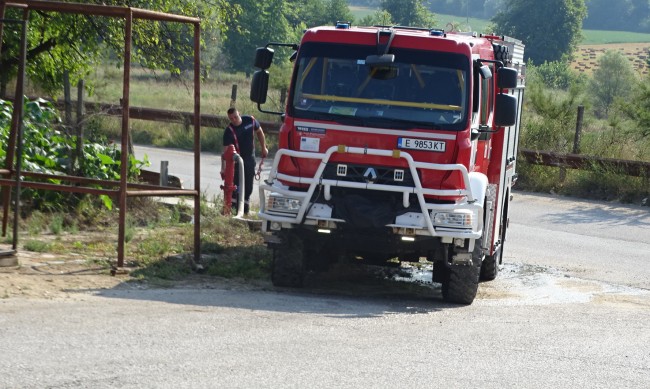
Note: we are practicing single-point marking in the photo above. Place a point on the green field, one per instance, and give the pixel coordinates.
(591, 37)
(598, 37)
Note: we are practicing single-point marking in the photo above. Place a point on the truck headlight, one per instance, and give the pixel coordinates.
(283, 204)
(457, 219)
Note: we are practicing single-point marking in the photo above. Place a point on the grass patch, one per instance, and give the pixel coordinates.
(163, 269)
(159, 242)
(249, 263)
(36, 222)
(36, 246)
(56, 224)
(597, 183)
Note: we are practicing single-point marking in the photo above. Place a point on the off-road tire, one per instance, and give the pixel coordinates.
(490, 266)
(460, 282)
(288, 268)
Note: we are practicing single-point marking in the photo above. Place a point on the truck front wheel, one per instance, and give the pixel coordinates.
(288, 268)
(460, 282)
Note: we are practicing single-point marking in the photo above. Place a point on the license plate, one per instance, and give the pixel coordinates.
(421, 144)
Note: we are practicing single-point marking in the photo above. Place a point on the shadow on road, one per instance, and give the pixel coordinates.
(580, 211)
(342, 297)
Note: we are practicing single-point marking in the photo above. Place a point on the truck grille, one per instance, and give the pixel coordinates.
(365, 173)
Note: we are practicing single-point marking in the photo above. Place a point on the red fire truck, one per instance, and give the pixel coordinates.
(397, 144)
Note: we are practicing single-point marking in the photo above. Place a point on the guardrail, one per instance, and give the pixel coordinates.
(585, 162)
(162, 115)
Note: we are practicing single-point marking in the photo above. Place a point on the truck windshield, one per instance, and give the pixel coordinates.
(420, 89)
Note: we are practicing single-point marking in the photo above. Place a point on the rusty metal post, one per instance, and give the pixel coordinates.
(122, 194)
(128, 26)
(197, 142)
(18, 114)
(9, 258)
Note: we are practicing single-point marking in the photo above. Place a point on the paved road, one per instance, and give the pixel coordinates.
(602, 241)
(570, 309)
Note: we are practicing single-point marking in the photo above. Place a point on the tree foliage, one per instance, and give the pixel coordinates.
(613, 79)
(378, 18)
(638, 108)
(557, 75)
(275, 21)
(59, 42)
(549, 116)
(409, 12)
(550, 29)
(258, 24)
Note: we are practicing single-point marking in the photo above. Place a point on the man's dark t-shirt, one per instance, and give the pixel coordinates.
(244, 142)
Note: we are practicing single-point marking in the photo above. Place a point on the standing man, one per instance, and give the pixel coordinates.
(240, 134)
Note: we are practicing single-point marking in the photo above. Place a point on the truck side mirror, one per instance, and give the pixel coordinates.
(380, 60)
(505, 111)
(260, 86)
(263, 57)
(507, 78)
(485, 71)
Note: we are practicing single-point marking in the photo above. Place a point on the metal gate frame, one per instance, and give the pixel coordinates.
(125, 189)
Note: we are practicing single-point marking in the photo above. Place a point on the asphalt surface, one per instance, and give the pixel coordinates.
(569, 309)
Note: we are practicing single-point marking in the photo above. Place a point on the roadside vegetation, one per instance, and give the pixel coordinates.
(158, 236)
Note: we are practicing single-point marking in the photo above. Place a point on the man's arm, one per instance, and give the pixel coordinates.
(262, 139)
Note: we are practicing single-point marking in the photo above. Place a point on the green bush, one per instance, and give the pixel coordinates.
(556, 75)
(46, 149)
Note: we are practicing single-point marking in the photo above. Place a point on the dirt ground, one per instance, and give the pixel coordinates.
(41, 275)
(48, 276)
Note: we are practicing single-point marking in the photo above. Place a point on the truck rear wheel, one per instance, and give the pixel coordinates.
(490, 266)
(288, 267)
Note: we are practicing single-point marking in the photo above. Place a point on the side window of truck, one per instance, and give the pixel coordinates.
(476, 95)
